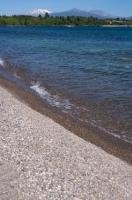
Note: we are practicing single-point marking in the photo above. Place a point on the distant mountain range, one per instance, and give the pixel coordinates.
(82, 13)
(129, 17)
(74, 12)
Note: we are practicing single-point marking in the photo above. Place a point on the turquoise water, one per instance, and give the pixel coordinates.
(83, 71)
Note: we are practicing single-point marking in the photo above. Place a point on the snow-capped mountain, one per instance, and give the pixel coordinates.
(37, 12)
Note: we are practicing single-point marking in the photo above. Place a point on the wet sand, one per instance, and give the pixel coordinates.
(107, 142)
(40, 159)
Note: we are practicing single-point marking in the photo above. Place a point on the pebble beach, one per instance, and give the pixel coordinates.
(40, 159)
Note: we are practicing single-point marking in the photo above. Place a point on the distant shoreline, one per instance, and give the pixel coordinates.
(71, 26)
(117, 26)
(64, 21)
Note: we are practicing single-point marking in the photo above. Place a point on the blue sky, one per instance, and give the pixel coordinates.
(115, 7)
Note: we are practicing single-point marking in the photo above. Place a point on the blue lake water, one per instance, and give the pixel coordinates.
(83, 71)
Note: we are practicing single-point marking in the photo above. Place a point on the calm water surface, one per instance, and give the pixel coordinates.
(83, 71)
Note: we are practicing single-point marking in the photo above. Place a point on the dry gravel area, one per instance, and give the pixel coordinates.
(39, 159)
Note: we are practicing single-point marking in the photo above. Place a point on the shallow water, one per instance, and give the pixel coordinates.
(85, 72)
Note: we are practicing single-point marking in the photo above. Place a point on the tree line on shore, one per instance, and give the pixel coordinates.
(70, 20)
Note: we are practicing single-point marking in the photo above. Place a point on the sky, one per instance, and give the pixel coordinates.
(115, 7)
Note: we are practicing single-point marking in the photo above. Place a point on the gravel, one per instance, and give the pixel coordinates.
(41, 160)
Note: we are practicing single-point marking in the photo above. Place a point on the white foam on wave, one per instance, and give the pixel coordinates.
(53, 100)
(1, 62)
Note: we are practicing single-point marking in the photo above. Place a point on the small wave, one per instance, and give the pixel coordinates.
(1, 62)
(110, 132)
(67, 107)
(53, 100)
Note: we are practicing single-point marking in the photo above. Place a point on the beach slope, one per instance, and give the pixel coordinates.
(39, 159)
